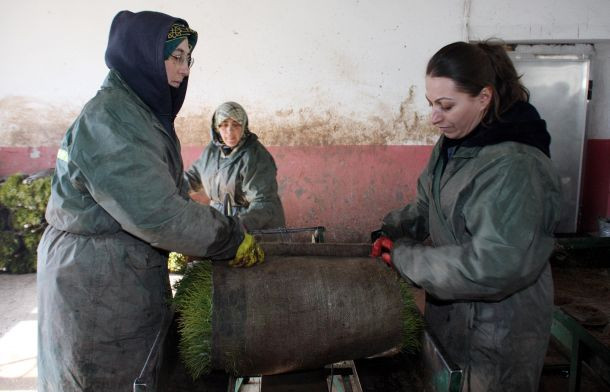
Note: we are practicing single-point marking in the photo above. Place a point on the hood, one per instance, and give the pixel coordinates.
(135, 50)
(521, 124)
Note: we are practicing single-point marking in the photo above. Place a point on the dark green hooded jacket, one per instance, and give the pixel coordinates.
(490, 205)
(118, 205)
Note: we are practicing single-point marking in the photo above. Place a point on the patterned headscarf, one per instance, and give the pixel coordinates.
(236, 112)
(176, 34)
(231, 110)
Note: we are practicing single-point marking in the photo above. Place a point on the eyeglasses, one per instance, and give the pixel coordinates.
(181, 60)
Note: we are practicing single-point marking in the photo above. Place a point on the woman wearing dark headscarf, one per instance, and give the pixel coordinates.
(237, 172)
(118, 202)
(489, 200)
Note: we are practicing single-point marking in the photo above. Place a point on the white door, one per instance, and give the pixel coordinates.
(558, 86)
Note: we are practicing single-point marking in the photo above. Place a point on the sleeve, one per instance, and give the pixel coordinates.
(126, 171)
(193, 174)
(259, 185)
(510, 218)
(412, 220)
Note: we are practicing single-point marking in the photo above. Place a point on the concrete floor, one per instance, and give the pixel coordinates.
(18, 332)
(18, 329)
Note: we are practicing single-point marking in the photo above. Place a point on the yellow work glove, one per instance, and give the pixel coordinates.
(248, 254)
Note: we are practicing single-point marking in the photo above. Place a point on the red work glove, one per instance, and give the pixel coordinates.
(382, 247)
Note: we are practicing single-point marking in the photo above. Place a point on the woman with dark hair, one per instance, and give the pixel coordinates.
(489, 202)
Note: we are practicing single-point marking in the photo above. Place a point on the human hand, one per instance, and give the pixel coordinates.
(382, 247)
(248, 254)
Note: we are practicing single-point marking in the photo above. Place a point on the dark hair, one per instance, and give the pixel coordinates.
(475, 66)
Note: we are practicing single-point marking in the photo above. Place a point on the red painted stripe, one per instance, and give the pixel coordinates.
(347, 189)
(596, 184)
(27, 160)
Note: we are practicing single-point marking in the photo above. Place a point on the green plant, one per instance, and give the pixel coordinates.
(193, 302)
(22, 208)
(4, 218)
(9, 248)
(412, 322)
(176, 263)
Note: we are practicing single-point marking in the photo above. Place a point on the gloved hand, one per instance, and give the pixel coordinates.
(382, 247)
(248, 254)
(377, 233)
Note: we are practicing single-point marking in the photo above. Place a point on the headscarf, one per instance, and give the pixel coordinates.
(176, 34)
(236, 112)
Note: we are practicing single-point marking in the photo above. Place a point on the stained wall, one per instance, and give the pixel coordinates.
(334, 89)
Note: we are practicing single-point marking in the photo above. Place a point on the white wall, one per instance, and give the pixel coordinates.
(282, 59)
(278, 53)
(540, 21)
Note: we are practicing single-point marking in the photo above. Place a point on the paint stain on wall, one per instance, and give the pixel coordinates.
(27, 122)
(194, 130)
(311, 126)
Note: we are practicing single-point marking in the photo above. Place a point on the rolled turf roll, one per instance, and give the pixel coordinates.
(291, 313)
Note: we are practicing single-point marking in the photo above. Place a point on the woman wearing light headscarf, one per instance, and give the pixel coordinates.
(237, 172)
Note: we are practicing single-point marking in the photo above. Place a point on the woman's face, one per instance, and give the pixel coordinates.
(177, 64)
(455, 113)
(231, 132)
